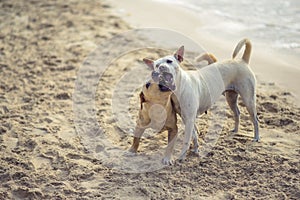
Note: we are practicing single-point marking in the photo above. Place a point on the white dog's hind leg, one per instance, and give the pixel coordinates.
(232, 97)
(249, 101)
(252, 111)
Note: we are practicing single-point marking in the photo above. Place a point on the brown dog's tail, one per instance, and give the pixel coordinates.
(247, 52)
(210, 58)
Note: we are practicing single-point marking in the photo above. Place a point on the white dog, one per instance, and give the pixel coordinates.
(196, 91)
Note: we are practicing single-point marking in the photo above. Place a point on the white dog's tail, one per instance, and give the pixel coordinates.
(247, 52)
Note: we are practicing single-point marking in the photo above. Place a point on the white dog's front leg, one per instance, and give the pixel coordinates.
(189, 125)
(172, 136)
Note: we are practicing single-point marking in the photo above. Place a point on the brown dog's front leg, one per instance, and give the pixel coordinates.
(135, 145)
(136, 140)
(171, 134)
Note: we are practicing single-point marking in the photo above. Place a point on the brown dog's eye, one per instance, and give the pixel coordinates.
(169, 61)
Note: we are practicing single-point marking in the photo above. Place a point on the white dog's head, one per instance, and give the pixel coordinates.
(164, 70)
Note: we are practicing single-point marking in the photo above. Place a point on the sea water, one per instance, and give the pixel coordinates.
(275, 23)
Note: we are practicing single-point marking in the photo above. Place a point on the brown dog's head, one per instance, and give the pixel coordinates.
(152, 92)
(154, 105)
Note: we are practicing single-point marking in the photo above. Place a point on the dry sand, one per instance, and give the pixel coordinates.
(43, 45)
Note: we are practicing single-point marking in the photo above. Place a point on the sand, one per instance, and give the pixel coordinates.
(48, 151)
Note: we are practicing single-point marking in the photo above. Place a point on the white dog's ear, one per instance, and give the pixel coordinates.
(149, 62)
(179, 54)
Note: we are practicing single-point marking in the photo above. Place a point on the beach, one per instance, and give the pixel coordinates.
(71, 73)
(279, 66)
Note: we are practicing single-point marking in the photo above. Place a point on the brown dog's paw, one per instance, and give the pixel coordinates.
(130, 153)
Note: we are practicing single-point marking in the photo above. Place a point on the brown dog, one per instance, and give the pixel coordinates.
(158, 108)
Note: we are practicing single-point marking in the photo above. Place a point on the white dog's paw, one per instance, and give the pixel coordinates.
(168, 161)
(234, 130)
(182, 157)
(196, 151)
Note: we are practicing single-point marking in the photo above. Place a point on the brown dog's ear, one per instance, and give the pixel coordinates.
(142, 99)
(149, 62)
(179, 54)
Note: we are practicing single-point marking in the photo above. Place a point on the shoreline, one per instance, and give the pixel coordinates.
(268, 64)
